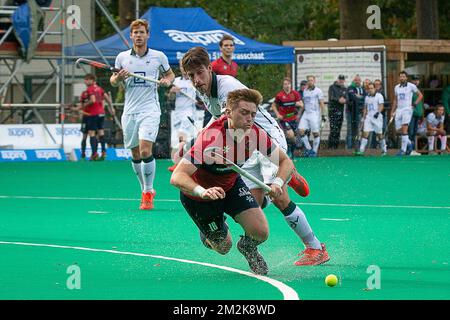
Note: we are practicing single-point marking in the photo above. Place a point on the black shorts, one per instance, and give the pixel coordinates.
(288, 125)
(95, 122)
(209, 215)
(83, 128)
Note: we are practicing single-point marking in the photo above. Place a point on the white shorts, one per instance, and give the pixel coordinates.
(261, 168)
(180, 125)
(311, 121)
(403, 117)
(140, 126)
(372, 124)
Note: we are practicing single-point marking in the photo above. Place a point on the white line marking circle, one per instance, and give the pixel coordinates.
(288, 292)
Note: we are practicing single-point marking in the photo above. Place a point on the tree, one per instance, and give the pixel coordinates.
(353, 19)
(126, 15)
(427, 19)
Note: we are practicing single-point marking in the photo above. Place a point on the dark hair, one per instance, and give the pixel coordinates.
(195, 58)
(225, 37)
(403, 72)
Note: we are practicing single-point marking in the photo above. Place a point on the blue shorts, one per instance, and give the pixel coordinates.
(94, 123)
(209, 215)
(288, 125)
(83, 128)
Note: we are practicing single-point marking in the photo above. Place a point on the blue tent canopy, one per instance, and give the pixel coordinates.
(175, 30)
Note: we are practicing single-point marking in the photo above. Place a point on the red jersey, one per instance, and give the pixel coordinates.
(97, 107)
(214, 172)
(220, 66)
(286, 104)
(84, 97)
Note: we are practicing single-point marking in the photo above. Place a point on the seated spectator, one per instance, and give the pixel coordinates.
(435, 128)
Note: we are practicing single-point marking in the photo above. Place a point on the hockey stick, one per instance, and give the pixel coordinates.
(197, 130)
(110, 107)
(210, 152)
(104, 66)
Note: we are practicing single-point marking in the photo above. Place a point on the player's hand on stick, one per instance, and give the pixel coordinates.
(276, 191)
(214, 193)
(122, 74)
(165, 82)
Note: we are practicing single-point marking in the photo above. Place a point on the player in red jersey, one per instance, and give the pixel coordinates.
(209, 188)
(286, 108)
(95, 108)
(225, 65)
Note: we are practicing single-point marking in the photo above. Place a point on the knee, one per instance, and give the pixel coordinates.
(281, 203)
(261, 234)
(145, 153)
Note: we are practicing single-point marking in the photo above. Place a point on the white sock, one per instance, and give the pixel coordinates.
(306, 142)
(148, 172)
(443, 143)
(316, 143)
(137, 168)
(383, 145)
(431, 143)
(363, 145)
(296, 219)
(405, 140)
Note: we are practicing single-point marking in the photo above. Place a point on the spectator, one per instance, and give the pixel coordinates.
(286, 106)
(367, 82)
(303, 85)
(446, 103)
(337, 96)
(310, 119)
(417, 115)
(435, 127)
(379, 89)
(402, 109)
(356, 96)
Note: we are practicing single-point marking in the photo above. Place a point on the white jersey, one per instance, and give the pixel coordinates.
(140, 95)
(434, 121)
(181, 101)
(311, 100)
(220, 87)
(404, 95)
(372, 103)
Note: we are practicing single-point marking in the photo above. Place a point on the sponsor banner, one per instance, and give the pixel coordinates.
(112, 154)
(34, 136)
(10, 155)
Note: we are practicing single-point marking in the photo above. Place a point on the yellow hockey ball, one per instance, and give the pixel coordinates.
(331, 280)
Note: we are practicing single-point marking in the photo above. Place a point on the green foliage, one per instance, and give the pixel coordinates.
(289, 20)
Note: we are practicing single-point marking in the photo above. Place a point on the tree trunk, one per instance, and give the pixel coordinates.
(353, 17)
(126, 13)
(427, 19)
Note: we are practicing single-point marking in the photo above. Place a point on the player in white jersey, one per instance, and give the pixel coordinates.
(402, 109)
(214, 89)
(373, 119)
(310, 116)
(435, 127)
(141, 114)
(183, 129)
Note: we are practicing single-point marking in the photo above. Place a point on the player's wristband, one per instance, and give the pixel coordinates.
(278, 181)
(198, 191)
